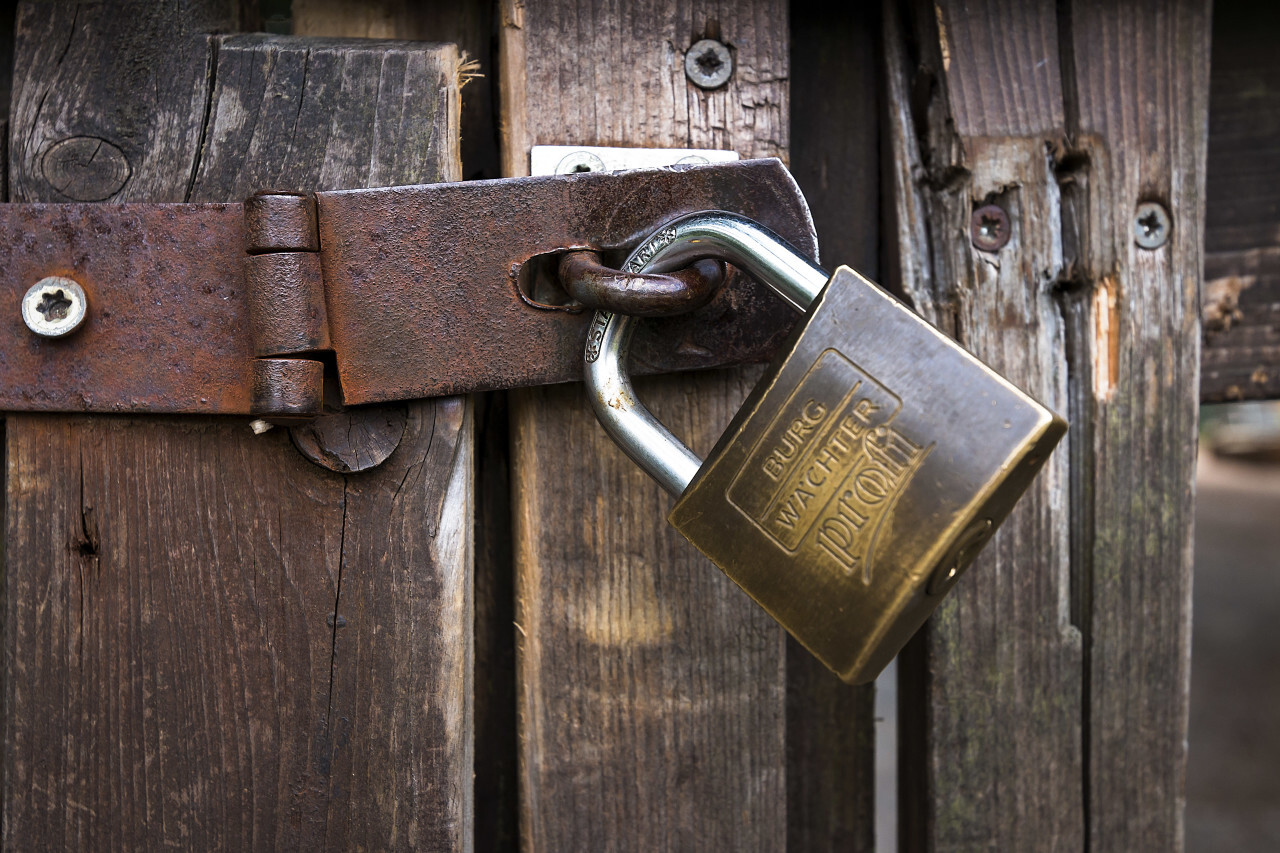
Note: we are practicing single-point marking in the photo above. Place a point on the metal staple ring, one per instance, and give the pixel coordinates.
(636, 293)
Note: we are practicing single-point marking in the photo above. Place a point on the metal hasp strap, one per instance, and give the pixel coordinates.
(408, 292)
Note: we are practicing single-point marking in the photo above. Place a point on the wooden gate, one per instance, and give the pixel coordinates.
(493, 641)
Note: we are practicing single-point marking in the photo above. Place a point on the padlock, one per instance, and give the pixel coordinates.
(864, 472)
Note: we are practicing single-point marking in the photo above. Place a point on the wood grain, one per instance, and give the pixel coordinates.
(1241, 297)
(212, 643)
(73, 136)
(652, 691)
(318, 113)
(990, 705)
(1036, 715)
(469, 25)
(1141, 89)
(835, 158)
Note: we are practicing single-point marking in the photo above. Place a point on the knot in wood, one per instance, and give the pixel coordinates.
(85, 168)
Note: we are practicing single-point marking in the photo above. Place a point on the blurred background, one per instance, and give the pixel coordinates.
(1233, 770)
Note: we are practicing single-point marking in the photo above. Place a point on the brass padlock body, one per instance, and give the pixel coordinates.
(862, 476)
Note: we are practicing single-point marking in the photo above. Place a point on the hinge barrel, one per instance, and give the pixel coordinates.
(287, 316)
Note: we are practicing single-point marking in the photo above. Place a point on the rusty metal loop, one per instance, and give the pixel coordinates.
(639, 294)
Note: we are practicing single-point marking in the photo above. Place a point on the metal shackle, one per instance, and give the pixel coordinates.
(712, 234)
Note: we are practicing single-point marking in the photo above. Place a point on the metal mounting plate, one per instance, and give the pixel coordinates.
(571, 159)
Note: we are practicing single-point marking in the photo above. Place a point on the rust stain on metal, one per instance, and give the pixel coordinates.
(169, 327)
(989, 228)
(287, 390)
(280, 222)
(419, 287)
(286, 303)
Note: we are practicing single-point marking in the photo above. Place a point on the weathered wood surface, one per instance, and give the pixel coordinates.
(1044, 706)
(1241, 297)
(211, 643)
(1133, 508)
(75, 136)
(835, 141)
(469, 25)
(319, 113)
(990, 716)
(653, 694)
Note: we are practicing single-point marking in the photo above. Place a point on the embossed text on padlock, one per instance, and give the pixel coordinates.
(863, 474)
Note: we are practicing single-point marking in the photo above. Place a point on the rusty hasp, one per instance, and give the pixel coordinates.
(411, 318)
(166, 327)
(414, 291)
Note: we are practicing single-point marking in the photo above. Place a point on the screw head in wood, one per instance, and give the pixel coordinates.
(54, 307)
(708, 64)
(1151, 225)
(579, 161)
(989, 228)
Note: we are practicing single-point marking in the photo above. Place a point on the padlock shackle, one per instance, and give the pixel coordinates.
(742, 242)
(712, 234)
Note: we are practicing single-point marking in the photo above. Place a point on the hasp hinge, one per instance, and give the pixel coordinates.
(287, 319)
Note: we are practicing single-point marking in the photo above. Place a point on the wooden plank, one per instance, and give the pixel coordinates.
(990, 699)
(469, 25)
(651, 697)
(211, 642)
(1241, 296)
(1036, 715)
(652, 692)
(74, 138)
(835, 157)
(372, 115)
(398, 719)
(1141, 87)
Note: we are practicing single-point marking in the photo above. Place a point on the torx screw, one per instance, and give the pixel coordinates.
(989, 228)
(54, 307)
(1151, 225)
(708, 64)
